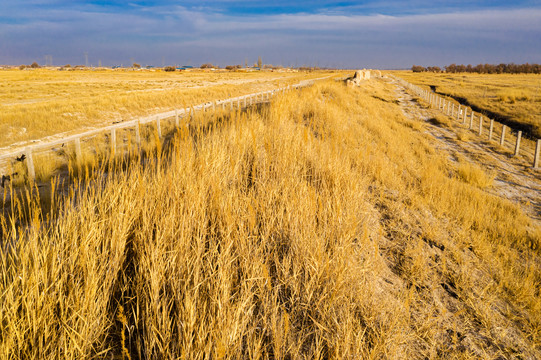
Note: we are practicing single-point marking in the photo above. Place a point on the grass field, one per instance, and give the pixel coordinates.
(515, 97)
(325, 225)
(43, 102)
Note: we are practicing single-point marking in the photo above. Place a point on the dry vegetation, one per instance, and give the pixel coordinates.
(322, 226)
(43, 102)
(514, 96)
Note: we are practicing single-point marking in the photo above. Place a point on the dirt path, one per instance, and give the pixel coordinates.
(514, 180)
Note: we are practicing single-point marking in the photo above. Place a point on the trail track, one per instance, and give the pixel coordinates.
(514, 180)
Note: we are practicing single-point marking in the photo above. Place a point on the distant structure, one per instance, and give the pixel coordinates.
(359, 76)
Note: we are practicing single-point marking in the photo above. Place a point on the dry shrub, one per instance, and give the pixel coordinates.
(473, 174)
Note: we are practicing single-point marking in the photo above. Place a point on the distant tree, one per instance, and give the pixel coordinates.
(136, 66)
(418, 69)
(67, 66)
(207, 66)
(259, 62)
(34, 65)
(22, 67)
(233, 67)
(169, 68)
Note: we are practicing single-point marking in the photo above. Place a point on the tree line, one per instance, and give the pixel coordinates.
(483, 68)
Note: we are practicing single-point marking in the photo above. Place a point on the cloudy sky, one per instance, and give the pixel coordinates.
(353, 34)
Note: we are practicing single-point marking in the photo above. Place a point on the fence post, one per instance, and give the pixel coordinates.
(244, 101)
(502, 138)
(537, 153)
(458, 113)
(480, 125)
(517, 145)
(159, 127)
(471, 120)
(30, 165)
(465, 114)
(491, 129)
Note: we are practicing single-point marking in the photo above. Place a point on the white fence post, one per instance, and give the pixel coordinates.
(517, 145)
(491, 129)
(502, 138)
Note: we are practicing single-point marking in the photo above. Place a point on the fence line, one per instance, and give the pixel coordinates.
(442, 104)
(247, 100)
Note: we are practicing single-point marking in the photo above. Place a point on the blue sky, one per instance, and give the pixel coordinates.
(353, 34)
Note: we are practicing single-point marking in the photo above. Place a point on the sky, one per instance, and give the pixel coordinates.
(342, 34)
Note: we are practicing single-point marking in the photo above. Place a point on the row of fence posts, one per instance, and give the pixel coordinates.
(448, 108)
(247, 100)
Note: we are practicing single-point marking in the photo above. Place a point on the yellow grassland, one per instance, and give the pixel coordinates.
(44, 102)
(324, 226)
(516, 96)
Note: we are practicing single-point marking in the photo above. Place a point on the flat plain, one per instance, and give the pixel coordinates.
(36, 103)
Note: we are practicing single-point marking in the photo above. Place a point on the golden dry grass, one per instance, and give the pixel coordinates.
(323, 226)
(516, 96)
(43, 102)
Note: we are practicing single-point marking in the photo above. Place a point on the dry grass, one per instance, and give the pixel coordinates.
(516, 96)
(43, 102)
(473, 174)
(324, 226)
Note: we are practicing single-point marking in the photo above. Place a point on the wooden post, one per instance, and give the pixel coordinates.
(502, 138)
(471, 120)
(517, 145)
(113, 141)
(177, 122)
(480, 125)
(244, 101)
(465, 114)
(159, 127)
(491, 129)
(537, 153)
(458, 113)
(452, 109)
(138, 134)
(30, 165)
